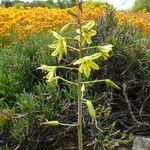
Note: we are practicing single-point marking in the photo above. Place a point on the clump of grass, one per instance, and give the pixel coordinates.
(140, 5)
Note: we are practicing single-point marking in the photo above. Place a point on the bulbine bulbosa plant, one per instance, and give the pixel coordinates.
(83, 65)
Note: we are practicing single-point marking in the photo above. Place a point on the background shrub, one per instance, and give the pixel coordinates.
(129, 66)
(139, 5)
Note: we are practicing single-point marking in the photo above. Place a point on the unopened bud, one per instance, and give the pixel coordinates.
(83, 88)
(112, 84)
(53, 123)
(72, 13)
(91, 109)
(66, 28)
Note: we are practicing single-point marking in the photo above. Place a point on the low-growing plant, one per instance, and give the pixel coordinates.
(26, 103)
(4, 147)
(12, 81)
(139, 5)
(98, 3)
(19, 128)
(65, 3)
(126, 41)
(107, 136)
(82, 66)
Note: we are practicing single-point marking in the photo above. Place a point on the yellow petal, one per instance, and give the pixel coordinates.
(95, 56)
(56, 35)
(61, 53)
(107, 48)
(61, 48)
(53, 81)
(44, 67)
(77, 38)
(81, 68)
(89, 25)
(79, 61)
(93, 65)
(56, 52)
(92, 33)
(87, 38)
(87, 70)
(47, 68)
(52, 46)
(66, 27)
(64, 46)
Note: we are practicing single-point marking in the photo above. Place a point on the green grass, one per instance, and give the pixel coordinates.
(48, 3)
(139, 5)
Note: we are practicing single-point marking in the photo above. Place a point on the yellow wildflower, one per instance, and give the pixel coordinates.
(87, 32)
(86, 64)
(60, 46)
(51, 75)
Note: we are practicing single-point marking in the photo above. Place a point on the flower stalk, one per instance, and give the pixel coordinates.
(80, 136)
(82, 65)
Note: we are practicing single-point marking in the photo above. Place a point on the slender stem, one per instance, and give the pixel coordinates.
(86, 48)
(95, 81)
(70, 82)
(80, 136)
(68, 38)
(61, 124)
(64, 67)
(66, 124)
(73, 48)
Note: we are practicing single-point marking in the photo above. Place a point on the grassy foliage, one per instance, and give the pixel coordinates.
(125, 39)
(139, 5)
(48, 3)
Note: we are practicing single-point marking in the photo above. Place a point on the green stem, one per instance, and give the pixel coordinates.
(70, 82)
(61, 124)
(73, 48)
(95, 81)
(64, 67)
(86, 48)
(68, 38)
(66, 124)
(80, 136)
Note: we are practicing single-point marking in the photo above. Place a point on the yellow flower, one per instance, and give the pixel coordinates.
(105, 50)
(60, 46)
(86, 64)
(27, 21)
(87, 32)
(51, 75)
(53, 81)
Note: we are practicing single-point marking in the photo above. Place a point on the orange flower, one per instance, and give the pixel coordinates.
(33, 20)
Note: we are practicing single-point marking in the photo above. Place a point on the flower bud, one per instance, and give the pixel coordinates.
(91, 109)
(83, 88)
(112, 84)
(66, 28)
(53, 123)
(72, 13)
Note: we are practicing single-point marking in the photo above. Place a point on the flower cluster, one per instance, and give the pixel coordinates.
(140, 20)
(86, 64)
(26, 21)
